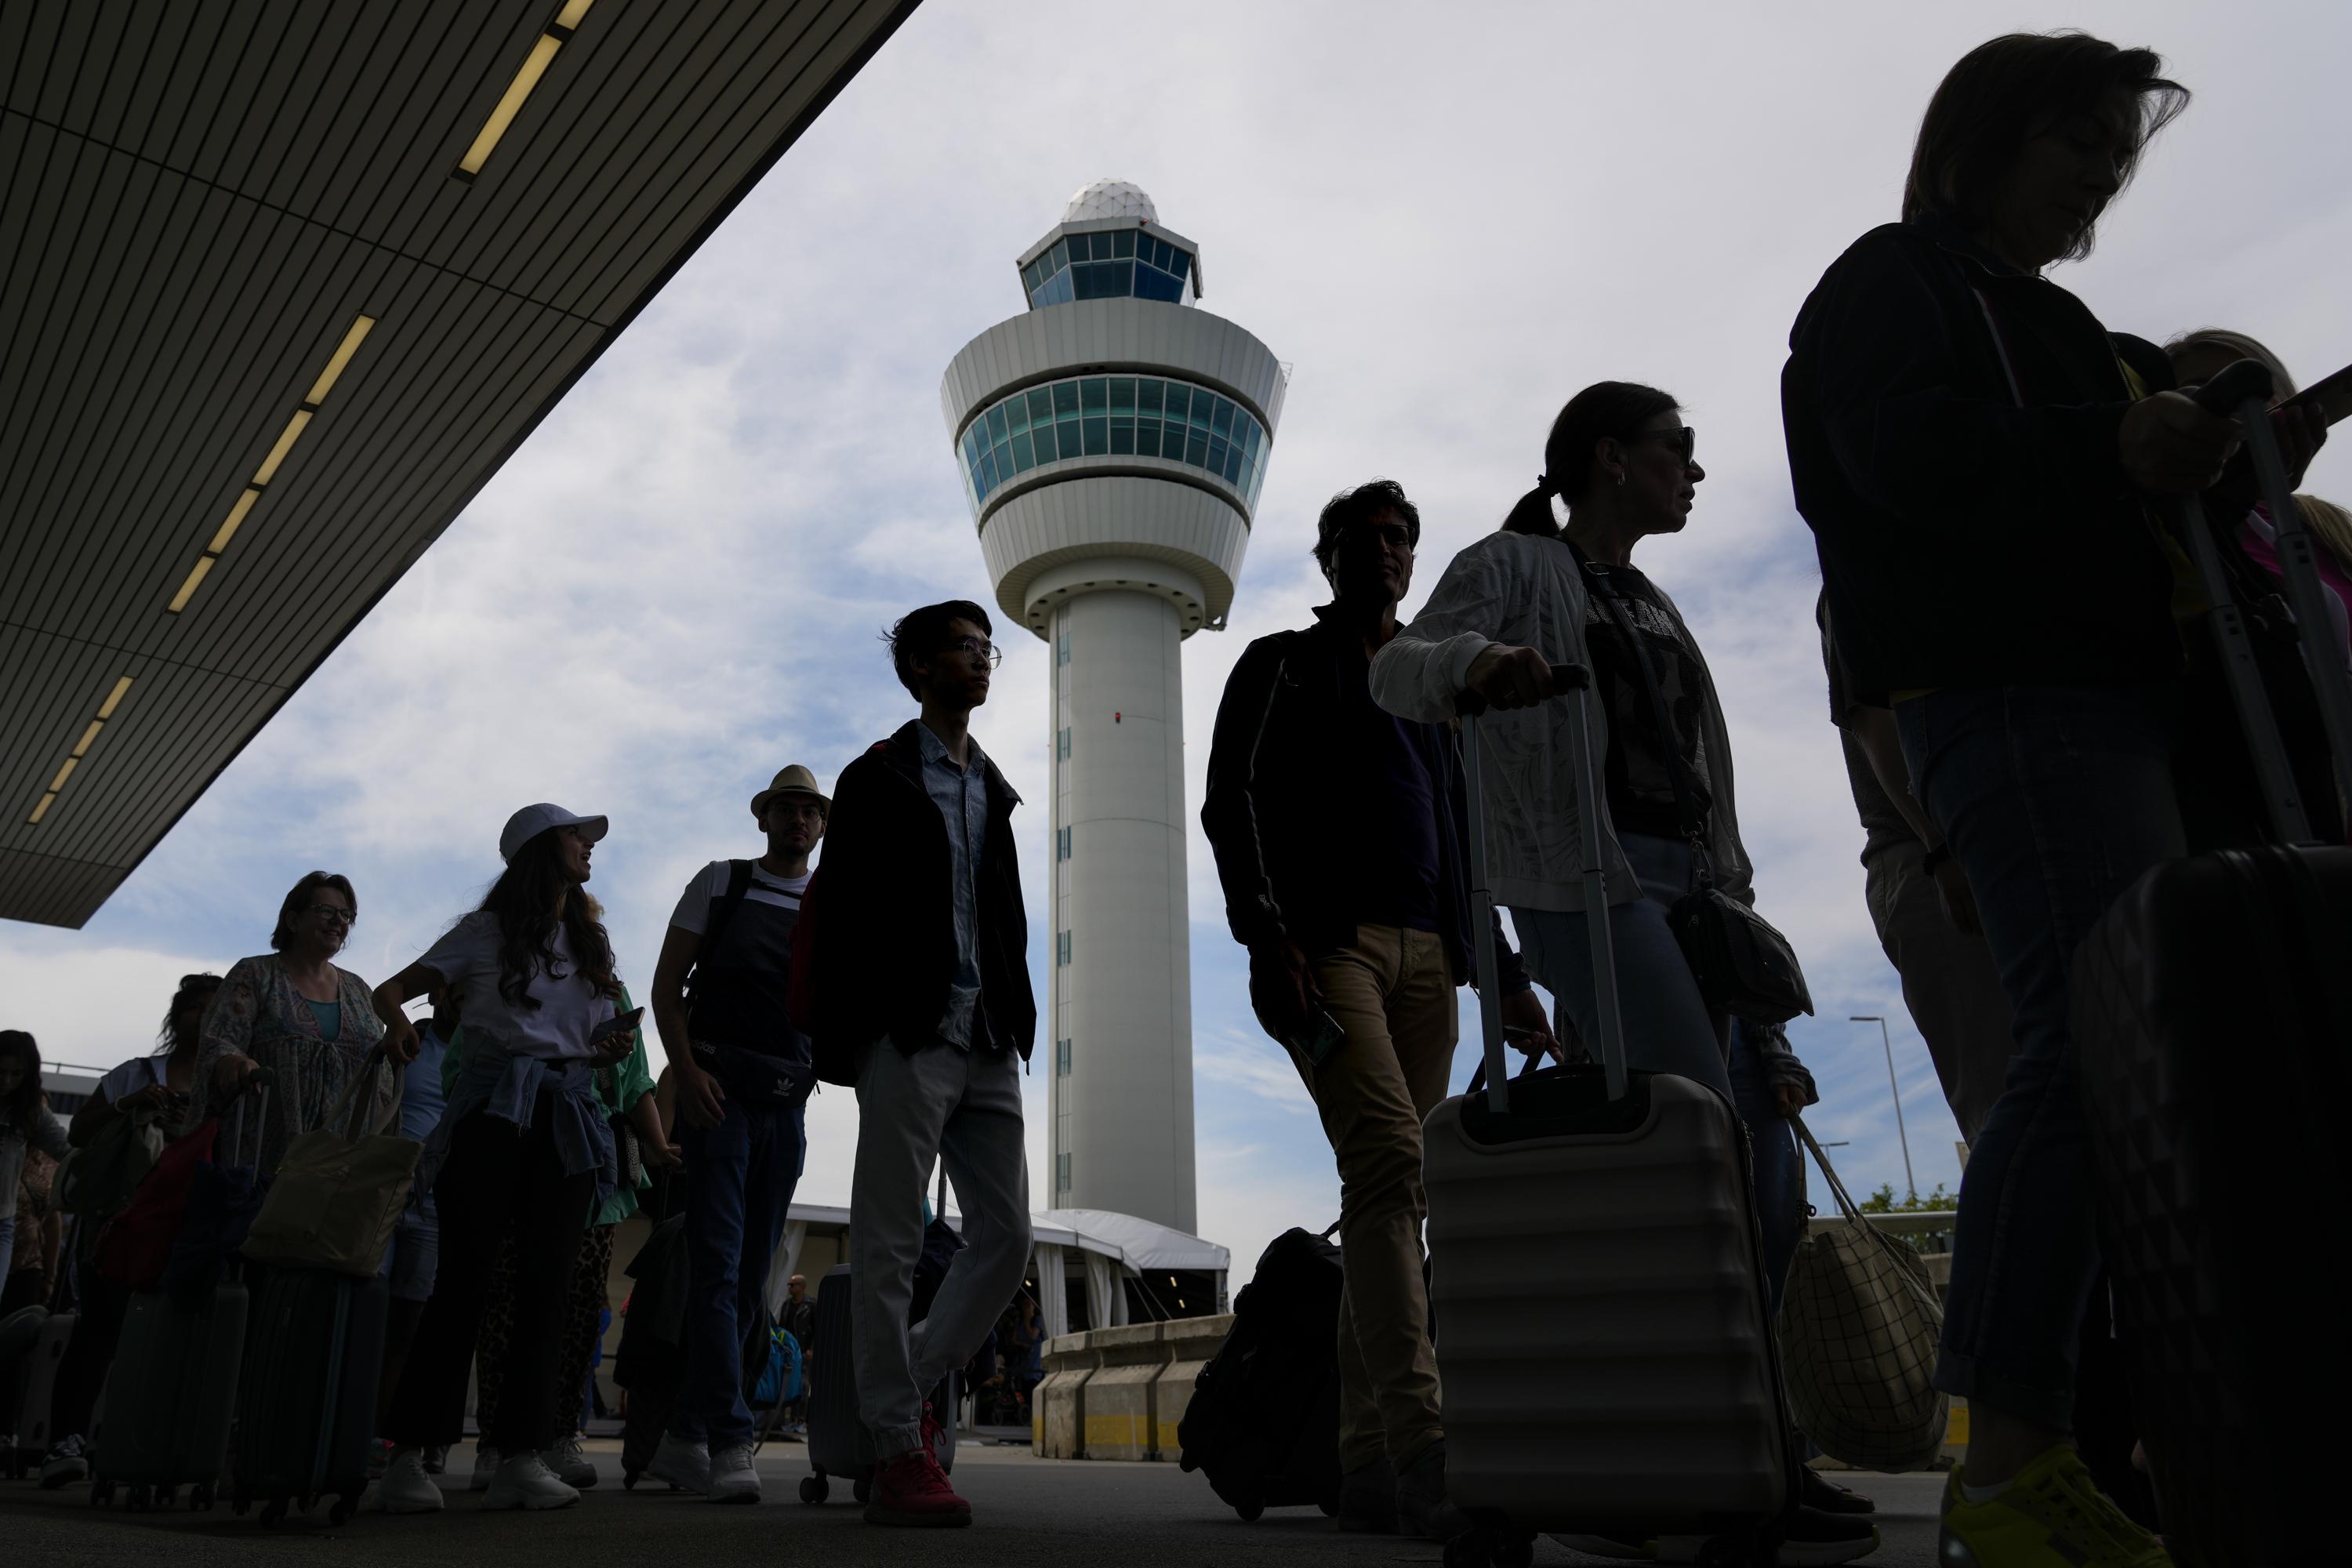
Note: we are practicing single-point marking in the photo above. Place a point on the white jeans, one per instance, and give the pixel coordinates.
(964, 1108)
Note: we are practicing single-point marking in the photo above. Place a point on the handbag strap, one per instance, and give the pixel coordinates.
(346, 1112)
(1693, 820)
(1844, 1199)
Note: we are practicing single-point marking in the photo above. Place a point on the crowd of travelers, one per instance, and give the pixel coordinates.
(2026, 728)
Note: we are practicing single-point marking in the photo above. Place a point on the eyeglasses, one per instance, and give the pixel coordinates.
(335, 912)
(1682, 441)
(979, 648)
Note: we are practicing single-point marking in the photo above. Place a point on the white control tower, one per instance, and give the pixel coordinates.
(1112, 441)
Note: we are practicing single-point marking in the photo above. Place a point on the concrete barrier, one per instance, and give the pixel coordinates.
(1191, 1343)
(1120, 1394)
(1057, 1418)
(1119, 1399)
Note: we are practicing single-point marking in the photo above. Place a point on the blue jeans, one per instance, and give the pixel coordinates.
(1780, 1168)
(2055, 800)
(739, 1180)
(1668, 1027)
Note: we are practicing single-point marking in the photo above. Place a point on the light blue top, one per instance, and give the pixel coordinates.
(330, 1018)
(961, 795)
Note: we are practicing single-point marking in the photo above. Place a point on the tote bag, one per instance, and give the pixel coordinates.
(1859, 1324)
(337, 1193)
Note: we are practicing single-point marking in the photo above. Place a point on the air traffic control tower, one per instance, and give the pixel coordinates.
(1112, 441)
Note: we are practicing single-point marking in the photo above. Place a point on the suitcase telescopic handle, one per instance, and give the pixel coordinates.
(2245, 389)
(1574, 682)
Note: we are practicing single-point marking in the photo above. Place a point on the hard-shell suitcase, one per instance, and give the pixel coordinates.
(1264, 1420)
(2211, 1019)
(31, 1425)
(306, 1420)
(173, 1386)
(838, 1442)
(1597, 1278)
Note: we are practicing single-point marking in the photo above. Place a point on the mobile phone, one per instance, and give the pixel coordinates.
(619, 1024)
(1321, 1038)
(2330, 396)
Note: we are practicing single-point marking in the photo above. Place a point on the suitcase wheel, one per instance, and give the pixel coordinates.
(863, 1487)
(273, 1511)
(813, 1488)
(101, 1494)
(344, 1509)
(200, 1499)
(1251, 1511)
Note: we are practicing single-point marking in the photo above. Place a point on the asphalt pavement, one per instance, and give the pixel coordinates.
(1026, 1512)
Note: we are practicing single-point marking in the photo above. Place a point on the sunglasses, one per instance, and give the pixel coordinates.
(1682, 441)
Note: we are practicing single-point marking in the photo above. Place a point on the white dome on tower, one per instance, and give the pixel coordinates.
(1110, 198)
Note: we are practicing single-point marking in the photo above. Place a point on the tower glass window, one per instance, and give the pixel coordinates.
(1094, 417)
(1116, 264)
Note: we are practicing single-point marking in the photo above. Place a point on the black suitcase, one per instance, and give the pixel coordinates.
(2212, 1023)
(1264, 1420)
(838, 1442)
(306, 1417)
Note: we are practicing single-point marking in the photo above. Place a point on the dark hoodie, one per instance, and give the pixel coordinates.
(1973, 530)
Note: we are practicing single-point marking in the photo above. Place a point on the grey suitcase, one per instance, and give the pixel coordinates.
(1597, 1279)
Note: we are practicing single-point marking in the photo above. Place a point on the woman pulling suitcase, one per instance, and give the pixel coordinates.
(1537, 595)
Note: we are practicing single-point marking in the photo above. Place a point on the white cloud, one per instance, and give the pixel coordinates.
(676, 586)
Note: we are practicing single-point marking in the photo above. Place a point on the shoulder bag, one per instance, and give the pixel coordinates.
(338, 1192)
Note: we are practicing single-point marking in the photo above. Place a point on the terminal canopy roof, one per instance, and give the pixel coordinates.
(282, 284)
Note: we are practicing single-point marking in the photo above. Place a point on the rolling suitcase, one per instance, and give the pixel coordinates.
(1264, 1420)
(306, 1419)
(1604, 1341)
(174, 1383)
(2212, 1023)
(30, 1427)
(838, 1442)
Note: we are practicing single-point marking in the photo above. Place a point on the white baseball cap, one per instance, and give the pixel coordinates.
(533, 820)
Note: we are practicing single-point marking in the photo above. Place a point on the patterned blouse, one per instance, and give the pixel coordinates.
(258, 1013)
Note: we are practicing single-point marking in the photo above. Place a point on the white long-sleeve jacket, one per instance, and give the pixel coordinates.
(1521, 590)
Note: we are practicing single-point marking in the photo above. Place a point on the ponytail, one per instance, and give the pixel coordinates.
(1533, 514)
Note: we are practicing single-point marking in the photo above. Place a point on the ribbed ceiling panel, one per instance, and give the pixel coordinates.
(196, 202)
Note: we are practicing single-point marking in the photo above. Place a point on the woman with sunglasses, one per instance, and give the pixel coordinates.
(296, 1012)
(1538, 593)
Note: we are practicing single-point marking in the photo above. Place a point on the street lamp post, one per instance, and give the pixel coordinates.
(1888, 1041)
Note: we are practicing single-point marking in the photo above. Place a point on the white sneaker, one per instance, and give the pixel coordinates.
(571, 1463)
(525, 1481)
(682, 1462)
(486, 1466)
(405, 1487)
(733, 1477)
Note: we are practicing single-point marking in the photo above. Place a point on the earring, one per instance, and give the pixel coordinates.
(1621, 475)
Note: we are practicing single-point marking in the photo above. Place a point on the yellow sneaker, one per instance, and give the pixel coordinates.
(2052, 1516)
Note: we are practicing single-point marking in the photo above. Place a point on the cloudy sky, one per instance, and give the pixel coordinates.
(676, 585)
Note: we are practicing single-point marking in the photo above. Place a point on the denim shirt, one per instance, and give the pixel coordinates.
(496, 1081)
(961, 795)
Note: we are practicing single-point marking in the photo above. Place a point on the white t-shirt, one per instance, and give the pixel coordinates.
(568, 1011)
(709, 886)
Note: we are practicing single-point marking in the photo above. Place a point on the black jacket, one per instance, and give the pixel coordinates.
(1970, 533)
(1279, 776)
(874, 951)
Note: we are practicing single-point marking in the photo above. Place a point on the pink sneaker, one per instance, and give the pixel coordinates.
(912, 1490)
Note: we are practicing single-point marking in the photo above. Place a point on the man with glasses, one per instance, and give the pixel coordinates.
(1342, 838)
(911, 977)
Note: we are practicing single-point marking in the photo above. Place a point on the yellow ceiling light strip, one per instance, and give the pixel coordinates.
(510, 103)
(81, 748)
(296, 424)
